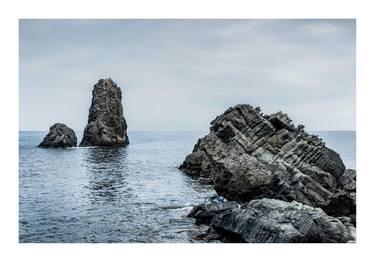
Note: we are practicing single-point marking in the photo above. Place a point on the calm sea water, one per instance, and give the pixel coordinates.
(132, 194)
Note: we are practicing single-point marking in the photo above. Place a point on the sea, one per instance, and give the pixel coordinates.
(119, 195)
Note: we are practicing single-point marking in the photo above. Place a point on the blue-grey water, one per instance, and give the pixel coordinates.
(132, 194)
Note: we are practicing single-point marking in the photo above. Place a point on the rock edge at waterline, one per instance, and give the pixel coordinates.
(248, 155)
(106, 123)
(59, 136)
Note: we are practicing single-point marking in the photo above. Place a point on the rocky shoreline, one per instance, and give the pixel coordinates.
(277, 183)
(284, 185)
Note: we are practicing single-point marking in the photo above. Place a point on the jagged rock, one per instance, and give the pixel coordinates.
(204, 213)
(251, 155)
(276, 221)
(343, 202)
(348, 180)
(106, 124)
(59, 136)
(347, 222)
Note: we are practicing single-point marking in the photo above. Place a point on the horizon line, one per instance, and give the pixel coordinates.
(135, 130)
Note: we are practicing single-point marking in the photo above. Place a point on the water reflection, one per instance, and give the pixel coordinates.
(106, 173)
(132, 194)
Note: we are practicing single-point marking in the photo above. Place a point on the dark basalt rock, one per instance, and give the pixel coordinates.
(106, 124)
(250, 155)
(348, 180)
(205, 213)
(59, 136)
(344, 202)
(276, 221)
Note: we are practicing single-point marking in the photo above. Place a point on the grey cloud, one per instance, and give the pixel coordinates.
(179, 74)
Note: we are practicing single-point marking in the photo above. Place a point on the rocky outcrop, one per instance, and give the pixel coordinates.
(274, 221)
(249, 155)
(348, 180)
(106, 124)
(59, 136)
(344, 203)
(206, 212)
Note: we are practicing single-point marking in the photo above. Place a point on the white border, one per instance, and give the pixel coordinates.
(12, 11)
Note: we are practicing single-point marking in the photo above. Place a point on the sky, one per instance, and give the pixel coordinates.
(178, 75)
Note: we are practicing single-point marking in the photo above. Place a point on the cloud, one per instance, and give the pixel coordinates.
(180, 74)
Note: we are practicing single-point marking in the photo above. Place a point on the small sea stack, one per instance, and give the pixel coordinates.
(106, 123)
(59, 135)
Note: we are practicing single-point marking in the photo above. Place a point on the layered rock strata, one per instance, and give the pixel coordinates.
(273, 221)
(249, 155)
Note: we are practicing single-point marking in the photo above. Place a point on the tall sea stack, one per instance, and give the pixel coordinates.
(106, 124)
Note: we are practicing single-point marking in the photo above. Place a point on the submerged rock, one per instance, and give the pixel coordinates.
(59, 136)
(250, 155)
(276, 221)
(106, 124)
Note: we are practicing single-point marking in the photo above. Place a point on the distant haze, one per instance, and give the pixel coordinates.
(180, 74)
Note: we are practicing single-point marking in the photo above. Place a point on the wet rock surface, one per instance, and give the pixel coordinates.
(276, 221)
(59, 136)
(106, 123)
(249, 155)
(205, 213)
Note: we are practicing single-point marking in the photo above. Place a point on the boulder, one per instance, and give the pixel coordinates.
(59, 135)
(205, 213)
(106, 123)
(276, 221)
(249, 155)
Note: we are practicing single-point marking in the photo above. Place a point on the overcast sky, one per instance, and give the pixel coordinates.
(180, 74)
